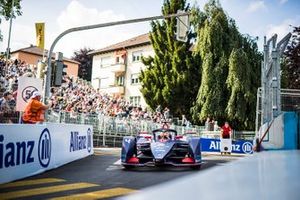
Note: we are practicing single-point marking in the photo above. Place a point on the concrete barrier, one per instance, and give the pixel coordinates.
(26, 150)
(267, 175)
(283, 133)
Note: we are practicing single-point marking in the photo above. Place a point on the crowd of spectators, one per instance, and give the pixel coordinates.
(211, 125)
(9, 73)
(74, 96)
(78, 96)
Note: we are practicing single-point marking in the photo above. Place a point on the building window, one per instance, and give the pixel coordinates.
(136, 56)
(104, 83)
(135, 100)
(135, 79)
(117, 59)
(120, 81)
(105, 61)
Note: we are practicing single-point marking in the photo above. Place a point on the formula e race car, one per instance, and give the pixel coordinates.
(162, 147)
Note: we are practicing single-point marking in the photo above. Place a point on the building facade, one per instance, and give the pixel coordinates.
(116, 68)
(32, 55)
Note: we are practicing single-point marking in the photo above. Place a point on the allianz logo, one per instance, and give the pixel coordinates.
(15, 153)
(80, 142)
(246, 147)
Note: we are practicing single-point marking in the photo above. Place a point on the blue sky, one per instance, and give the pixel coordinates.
(254, 17)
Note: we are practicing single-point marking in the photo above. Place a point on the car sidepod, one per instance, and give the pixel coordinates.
(128, 148)
(195, 148)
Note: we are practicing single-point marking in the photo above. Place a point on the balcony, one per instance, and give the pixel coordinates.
(115, 90)
(118, 68)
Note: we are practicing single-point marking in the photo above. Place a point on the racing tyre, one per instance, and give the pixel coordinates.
(196, 167)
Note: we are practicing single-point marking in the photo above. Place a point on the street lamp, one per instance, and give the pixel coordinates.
(9, 33)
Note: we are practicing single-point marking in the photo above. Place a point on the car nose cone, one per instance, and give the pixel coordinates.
(161, 149)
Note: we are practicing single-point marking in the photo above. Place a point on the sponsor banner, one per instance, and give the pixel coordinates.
(226, 145)
(40, 35)
(239, 146)
(27, 86)
(27, 149)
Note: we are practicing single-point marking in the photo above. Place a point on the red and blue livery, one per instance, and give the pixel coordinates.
(162, 147)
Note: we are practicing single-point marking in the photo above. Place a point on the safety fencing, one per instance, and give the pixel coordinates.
(290, 101)
(109, 131)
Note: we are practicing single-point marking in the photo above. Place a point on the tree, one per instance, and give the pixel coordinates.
(214, 44)
(172, 75)
(249, 46)
(85, 60)
(238, 83)
(291, 66)
(5, 8)
(230, 71)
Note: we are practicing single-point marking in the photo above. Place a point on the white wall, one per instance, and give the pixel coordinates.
(275, 136)
(99, 72)
(133, 68)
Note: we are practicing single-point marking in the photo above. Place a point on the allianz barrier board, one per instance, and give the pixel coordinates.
(27, 149)
(239, 146)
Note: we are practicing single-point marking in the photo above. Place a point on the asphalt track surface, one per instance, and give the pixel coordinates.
(99, 176)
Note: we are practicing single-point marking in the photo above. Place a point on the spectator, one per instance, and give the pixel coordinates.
(226, 131)
(216, 127)
(158, 109)
(34, 110)
(211, 125)
(183, 121)
(207, 124)
(7, 108)
(5, 102)
(166, 113)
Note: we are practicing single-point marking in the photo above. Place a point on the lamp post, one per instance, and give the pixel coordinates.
(9, 33)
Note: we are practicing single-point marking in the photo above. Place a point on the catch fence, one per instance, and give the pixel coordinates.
(109, 131)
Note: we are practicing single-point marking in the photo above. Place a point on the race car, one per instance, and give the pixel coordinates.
(161, 147)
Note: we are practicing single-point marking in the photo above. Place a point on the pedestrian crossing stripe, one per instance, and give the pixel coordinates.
(101, 194)
(45, 190)
(106, 153)
(31, 182)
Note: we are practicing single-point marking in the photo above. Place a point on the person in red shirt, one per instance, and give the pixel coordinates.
(226, 131)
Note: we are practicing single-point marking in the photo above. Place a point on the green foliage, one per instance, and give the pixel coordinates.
(5, 8)
(238, 82)
(230, 70)
(212, 45)
(284, 74)
(249, 46)
(291, 64)
(172, 76)
(85, 60)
